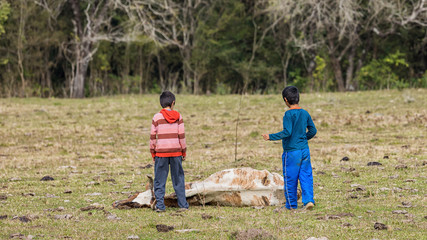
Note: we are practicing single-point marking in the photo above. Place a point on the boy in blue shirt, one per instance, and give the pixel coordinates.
(296, 154)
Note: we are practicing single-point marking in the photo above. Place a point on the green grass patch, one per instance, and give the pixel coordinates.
(85, 143)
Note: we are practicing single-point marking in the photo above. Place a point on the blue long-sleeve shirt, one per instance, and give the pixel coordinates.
(294, 135)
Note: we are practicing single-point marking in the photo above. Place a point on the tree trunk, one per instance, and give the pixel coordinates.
(350, 69)
(48, 76)
(335, 62)
(187, 69)
(82, 60)
(337, 72)
(141, 71)
(285, 64)
(196, 84)
(310, 69)
(78, 82)
(126, 70)
(20, 47)
(160, 70)
(173, 78)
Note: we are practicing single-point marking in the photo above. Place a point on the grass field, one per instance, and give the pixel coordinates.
(95, 150)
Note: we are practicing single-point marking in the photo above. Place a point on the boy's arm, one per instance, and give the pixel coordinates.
(311, 128)
(286, 132)
(153, 139)
(181, 136)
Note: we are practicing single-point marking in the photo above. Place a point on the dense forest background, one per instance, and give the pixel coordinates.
(84, 48)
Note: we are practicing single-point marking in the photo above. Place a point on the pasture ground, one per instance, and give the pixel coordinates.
(96, 150)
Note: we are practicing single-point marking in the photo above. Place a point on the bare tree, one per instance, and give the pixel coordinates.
(338, 26)
(413, 12)
(91, 24)
(171, 22)
(314, 24)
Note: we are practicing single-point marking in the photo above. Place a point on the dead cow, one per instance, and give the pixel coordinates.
(232, 187)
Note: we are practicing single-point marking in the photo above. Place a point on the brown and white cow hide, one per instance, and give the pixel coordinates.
(231, 187)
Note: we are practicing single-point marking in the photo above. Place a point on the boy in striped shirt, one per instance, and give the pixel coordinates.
(168, 147)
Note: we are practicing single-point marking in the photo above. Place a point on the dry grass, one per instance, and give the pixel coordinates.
(107, 138)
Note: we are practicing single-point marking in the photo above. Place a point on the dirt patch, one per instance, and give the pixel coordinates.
(380, 226)
(350, 169)
(401, 166)
(335, 216)
(3, 197)
(47, 178)
(374, 164)
(206, 216)
(252, 234)
(399, 212)
(3, 217)
(110, 180)
(61, 217)
(146, 166)
(176, 215)
(58, 209)
(17, 235)
(92, 207)
(29, 194)
(164, 228)
(24, 219)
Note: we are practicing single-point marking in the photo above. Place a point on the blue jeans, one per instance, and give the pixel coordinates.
(297, 166)
(161, 171)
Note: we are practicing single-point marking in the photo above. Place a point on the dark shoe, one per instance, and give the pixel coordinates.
(159, 210)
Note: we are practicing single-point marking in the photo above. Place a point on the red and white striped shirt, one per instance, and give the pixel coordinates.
(167, 137)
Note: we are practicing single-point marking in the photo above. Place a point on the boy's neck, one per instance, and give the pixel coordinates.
(294, 106)
(168, 108)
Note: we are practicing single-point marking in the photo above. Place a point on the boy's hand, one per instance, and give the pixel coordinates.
(183, 158)
(154, 159)
(266, 137)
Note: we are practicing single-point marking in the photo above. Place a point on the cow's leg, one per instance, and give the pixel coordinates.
(161, 171)
(150, 186)
(178, 181)
(306, 177)
(291, 167)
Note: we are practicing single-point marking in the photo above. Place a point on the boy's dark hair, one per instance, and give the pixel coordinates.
(166, 99)
(291, 93)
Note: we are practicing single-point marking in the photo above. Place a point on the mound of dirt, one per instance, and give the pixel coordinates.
(374, 164)
(252, 234)
(164, 228)
(380, 226)
(47, 178)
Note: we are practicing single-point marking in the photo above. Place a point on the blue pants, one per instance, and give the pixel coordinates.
(297, 166)
(161, 171)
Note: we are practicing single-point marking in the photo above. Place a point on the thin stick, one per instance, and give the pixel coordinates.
(237, 126)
